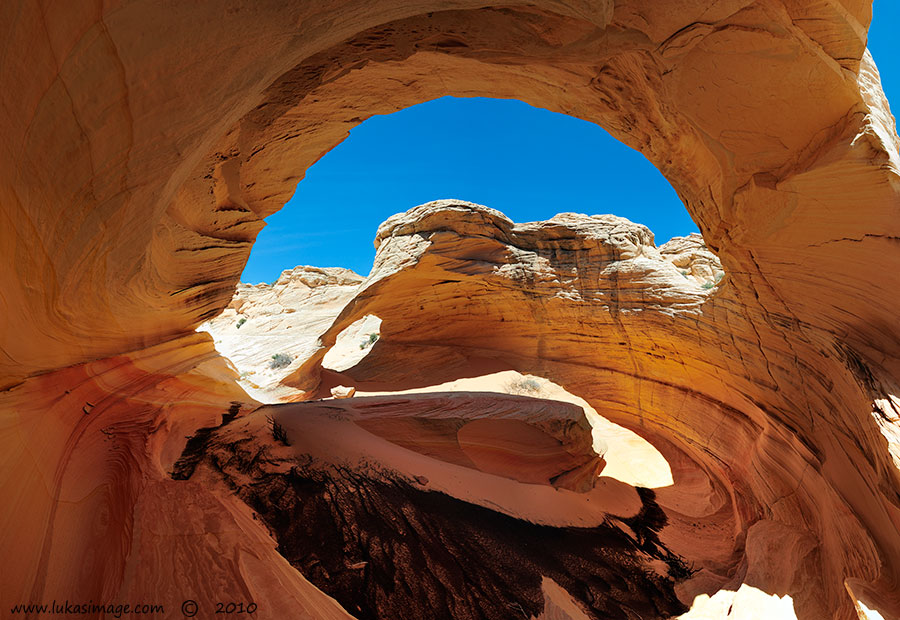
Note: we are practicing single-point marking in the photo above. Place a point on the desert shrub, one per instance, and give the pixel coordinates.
(523, 386)
(278, 432)
(241, 321)
(684, 273)
(708, 285)
(280, 360)
(678, 569)
(368, 341)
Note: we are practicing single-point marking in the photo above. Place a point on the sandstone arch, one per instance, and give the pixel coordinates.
(588, 302)
(143, 148)
(239, 147)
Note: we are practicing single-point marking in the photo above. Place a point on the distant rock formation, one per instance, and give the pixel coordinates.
(691, 256)
(450, 276)
(284, 318)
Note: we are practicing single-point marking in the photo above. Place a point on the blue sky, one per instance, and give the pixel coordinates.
(527, 162)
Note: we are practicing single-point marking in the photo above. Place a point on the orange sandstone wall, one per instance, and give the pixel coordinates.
(144, 143)
(774, 427)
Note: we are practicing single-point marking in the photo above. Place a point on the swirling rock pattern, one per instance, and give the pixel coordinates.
(589, 302)
(143, 146)
(390, 534)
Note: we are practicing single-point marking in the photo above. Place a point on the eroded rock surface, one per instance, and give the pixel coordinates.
(692, 258)
(590, 302)
(144, 145)
(382, 504)
(284, 318)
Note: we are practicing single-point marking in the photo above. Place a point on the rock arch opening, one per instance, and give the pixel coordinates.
(133, 185)
(531, 162)
(526, 162)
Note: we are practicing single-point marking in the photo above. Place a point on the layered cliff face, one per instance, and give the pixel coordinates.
(144, 146)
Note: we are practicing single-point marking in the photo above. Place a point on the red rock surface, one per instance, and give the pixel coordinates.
(591, 304)
(396, 520)
(144, 144)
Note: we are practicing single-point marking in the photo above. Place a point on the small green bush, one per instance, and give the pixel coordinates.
(708, 285)
(368, 341)
(523, 386)
(241, 321)
(280, 360)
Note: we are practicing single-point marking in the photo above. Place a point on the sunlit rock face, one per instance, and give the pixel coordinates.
(143, 146)
(693, 259)
(269, 329)
(591, 303)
